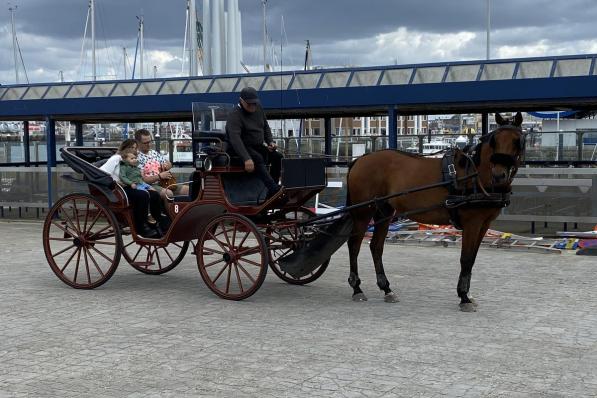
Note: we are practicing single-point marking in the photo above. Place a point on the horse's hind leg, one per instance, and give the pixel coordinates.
(382, 219)
(360, 223)
(472, 236)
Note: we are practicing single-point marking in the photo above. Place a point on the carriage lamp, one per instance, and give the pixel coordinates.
(202, 161)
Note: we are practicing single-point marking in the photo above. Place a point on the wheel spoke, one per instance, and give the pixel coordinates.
(213, 263)
(217, 241)
(96, 265)
(97, 216)
(63, 250)
(250, 250)
(86, 217)
(165, 249)
(228, 279)
(226, 235)
(68, 220)
(76, 214)
(249, 261)
(240, 282)
(69, 259)
(157, 257)
(77, 267)
(246, 273)
(234, 234)
(244, 239)
(97, 242)
(220, 273)
(100, 231)
(87, 265)
(66, 231)
(102, 254)
(61, 239)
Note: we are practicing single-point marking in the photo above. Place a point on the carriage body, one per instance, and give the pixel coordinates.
(232, 230)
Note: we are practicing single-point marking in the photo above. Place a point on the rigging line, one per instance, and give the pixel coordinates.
(83, 45)
(107, 46)
(22, 62)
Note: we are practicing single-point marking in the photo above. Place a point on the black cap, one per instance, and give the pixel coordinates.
(249, 95)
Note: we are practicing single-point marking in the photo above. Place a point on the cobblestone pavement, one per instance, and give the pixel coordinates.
(141, 336)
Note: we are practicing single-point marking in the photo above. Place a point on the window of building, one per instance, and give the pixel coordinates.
(411, 118)
(356, 131)
(410, 130)
(373, 131)
(423, 130)
(383, 131)
(316, 131)
(290, 132)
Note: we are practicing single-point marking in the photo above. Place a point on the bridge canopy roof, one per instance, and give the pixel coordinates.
(563, 82)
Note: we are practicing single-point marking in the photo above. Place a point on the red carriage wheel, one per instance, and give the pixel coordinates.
(82, 241)
(284, 239)
(232, 256)
(153, 259)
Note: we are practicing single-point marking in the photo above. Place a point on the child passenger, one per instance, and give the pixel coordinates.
(130, 175)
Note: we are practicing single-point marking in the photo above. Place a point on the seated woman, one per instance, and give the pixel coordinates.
(140, 200)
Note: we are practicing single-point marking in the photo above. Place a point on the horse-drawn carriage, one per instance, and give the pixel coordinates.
(226, 221)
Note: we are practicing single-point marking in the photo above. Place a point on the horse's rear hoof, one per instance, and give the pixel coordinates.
(359, 297)
(391, 298)
(468, 307)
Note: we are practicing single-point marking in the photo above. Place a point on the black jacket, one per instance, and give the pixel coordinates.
(247, 129)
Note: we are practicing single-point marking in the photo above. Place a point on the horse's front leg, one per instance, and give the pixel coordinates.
(472, 235)
(354, 247)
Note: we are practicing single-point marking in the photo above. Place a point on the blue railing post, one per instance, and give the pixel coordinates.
(392, 128)
(327, 148)
(50, 154)
(79, 133)
(26, 143)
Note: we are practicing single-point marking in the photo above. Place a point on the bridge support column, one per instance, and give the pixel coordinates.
(79, 133)
(484, 123)
(327, 127)
(26, 153)
(392, 128)
(50, 155)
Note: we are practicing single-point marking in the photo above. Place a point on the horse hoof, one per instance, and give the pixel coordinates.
(473, 302)
(468, 307)
(359, 297)
(391, 298)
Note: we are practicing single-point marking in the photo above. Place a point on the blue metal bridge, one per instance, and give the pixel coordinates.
(477, 86)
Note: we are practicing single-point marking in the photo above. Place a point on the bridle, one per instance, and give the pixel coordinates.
(510, 162)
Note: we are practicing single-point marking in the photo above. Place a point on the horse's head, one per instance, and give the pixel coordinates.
(504, 150)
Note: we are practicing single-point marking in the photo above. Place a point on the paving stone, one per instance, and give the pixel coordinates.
(534, 334)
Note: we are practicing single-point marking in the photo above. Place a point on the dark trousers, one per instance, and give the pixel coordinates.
(140, 202)
(261, 158)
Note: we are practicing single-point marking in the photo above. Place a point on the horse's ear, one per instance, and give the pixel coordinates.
(499, 119)
(518, 119)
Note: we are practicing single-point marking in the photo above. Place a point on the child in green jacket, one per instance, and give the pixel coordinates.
(130, 174)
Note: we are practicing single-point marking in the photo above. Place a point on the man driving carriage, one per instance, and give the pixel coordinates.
(251, 139)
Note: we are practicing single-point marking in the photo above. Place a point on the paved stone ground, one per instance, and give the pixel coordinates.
(535, 333)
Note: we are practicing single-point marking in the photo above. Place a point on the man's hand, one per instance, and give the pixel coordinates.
(134, 186)
(249, 166)
(272, 146)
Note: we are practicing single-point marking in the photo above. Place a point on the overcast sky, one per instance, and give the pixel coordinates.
(342, 33)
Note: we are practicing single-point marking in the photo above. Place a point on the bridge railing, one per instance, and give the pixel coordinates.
(548, 147)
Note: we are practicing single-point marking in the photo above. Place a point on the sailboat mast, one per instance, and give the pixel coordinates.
(141, 46)
(193, 38)
(264, 36)
(14, 43)
(94, 66)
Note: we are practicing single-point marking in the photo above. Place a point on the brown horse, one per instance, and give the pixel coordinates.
(468, 202)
